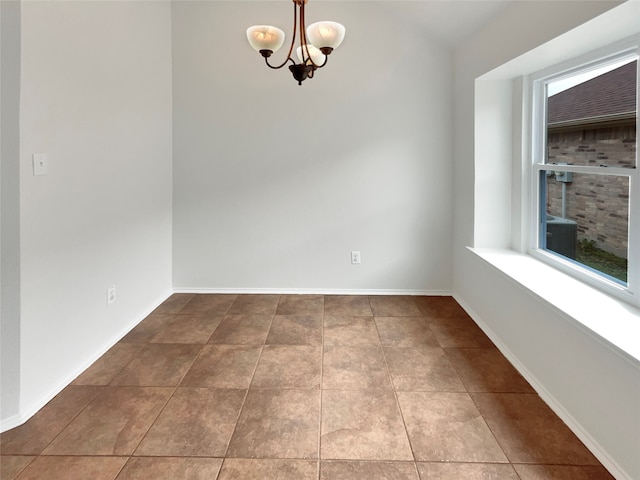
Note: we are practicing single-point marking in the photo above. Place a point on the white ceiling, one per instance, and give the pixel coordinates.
(447, 21)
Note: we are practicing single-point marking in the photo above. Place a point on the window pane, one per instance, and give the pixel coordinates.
(591, 118)
(587, 220)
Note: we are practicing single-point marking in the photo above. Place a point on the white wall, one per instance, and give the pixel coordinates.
(95, 96)
(592, 385)
(275, 183)
(10, 207)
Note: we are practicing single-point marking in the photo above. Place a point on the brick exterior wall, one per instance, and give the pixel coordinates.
(599, 204)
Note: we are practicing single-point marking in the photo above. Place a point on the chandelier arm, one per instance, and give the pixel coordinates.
(303, 36)
(293, 36)
(326, 59)
(276, 67)
(293, 41)
(305, 42)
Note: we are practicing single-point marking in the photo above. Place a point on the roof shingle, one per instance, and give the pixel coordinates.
(610, 94)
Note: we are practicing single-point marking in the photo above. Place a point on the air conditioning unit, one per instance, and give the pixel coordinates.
(562, 236)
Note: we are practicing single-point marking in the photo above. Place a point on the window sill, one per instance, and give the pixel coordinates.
(606, 318)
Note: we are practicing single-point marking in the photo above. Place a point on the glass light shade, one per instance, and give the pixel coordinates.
(325, 34)
(265, 37)
(316, 55)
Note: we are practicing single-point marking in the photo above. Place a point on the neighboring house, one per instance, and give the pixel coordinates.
(594, 123)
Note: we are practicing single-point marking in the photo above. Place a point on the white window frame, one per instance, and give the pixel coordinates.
(538, 82)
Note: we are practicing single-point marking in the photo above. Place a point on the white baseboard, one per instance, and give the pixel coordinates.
(311, 291)
(33, 407)
(13, 421)
(546, 396)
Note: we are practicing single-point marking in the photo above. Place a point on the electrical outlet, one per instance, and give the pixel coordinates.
(40, 164)
(111, 295)
(355, 257)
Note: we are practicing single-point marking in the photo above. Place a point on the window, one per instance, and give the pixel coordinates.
(586, 187)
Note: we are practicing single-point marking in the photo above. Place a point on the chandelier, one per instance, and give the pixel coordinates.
(315, 43)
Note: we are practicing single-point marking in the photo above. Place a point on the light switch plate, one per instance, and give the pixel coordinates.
(40, 164)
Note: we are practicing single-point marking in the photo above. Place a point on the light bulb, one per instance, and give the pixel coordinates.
(316, 55)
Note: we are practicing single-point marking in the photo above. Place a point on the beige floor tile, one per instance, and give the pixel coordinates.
(351, 368)
(345, 330)
(188, 329)
(158, 365)
(447, 427)
(288, 366)
(113, 423)
(301, 305)
(394, 306)
(362, 425)
(197, 422)
(170, 468)
(439, 307)
(405, 332)
(352, 305)
(268, 469)
(228, 387)
(295, 330)
(487, 370)
(254, 305)
(422, 369)
(174, 303)
(148, 328)
(208, 303)
(12, 465)
(103, 370)
(466, 471)
(242, 330)
(67, 468)
(562, 472)
(458, 332)
(223, 366)
(359, 470)
(278, 424)
(529, 432)
(32, 437)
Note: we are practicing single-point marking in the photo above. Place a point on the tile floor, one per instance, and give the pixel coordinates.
(299, 387)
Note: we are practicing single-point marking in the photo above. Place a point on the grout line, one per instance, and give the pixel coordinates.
(395, 395)
(140, 348)
(122, 468)
(155, 418)
(99, 389)
(275, 312)
(221, 315)
(244, 400)
(415, 465)
(226, 311)
(321, 387)
(489, 428)
(246, 395)
(193, 295)
(514, 470)
(224, 459)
